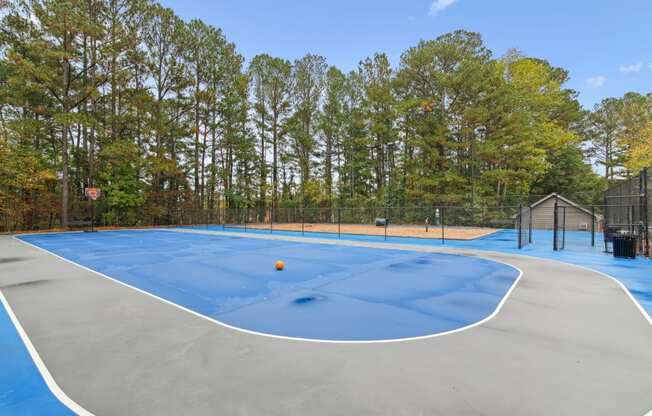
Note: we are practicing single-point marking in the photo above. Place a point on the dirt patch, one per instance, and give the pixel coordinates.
(451, 233)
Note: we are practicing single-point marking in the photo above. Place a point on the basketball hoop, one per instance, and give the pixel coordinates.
(92, 193)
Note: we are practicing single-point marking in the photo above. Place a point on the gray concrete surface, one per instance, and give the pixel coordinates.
(568, 341)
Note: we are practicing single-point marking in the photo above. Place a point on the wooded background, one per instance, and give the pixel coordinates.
(165, 115)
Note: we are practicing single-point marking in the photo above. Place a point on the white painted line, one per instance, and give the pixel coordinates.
(428, 249)
(246, 331)
(622, 286)
(45, 373)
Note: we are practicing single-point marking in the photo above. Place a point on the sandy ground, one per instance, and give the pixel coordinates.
(453, 233)
(434, 232)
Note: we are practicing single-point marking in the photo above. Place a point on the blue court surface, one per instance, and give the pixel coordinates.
(635, 275)
(326, 292)
(24, 392)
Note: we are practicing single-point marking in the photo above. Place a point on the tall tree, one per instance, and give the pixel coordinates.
(309, 75)
(272, 84)
(50, 60)
(332, 126)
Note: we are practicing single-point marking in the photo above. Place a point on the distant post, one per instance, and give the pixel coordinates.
(520, 225)
(386, 220)
(592, 225)
(339, 222)
(443, 233)
(555, 227)
(530, 225)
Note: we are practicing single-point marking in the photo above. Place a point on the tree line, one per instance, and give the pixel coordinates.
(163, 114)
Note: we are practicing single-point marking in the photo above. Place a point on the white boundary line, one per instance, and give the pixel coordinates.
(327, 341)
(623, 287)
(40, 365)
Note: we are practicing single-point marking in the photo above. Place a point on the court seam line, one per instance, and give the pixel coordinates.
(430, 249)
(287, 338)
(40, 365)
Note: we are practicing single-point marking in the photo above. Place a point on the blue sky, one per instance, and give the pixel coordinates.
(606, 45)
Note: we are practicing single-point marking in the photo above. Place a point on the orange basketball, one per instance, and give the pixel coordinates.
(280, 265)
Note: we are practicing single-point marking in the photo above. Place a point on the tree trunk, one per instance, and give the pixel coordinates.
(64, 176)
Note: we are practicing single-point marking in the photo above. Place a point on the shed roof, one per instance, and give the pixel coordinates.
(566, 200)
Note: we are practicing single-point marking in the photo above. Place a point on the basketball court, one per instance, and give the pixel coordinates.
(196, 321)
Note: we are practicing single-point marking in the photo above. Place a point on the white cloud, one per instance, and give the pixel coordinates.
(597, 81)
(440, 5)
(627, 69)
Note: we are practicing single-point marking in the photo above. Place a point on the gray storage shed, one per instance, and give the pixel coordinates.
(578, 218)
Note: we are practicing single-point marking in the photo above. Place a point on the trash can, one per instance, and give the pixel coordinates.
(624, 246)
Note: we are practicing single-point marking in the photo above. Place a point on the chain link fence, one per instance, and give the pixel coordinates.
(628, 210)
(570, 227)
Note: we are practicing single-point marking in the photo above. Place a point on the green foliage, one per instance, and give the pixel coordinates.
(163, 116)
(123, 191)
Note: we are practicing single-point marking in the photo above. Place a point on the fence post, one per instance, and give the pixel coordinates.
(303, 220)
(605, 223)
(563, 240)
(271, 219)
(339, 222)
(644, 208)
(245, 218)
(520, 225)
(555, 227)
(386, 221)
(592, 225)
(530, 225)
(443, 233)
